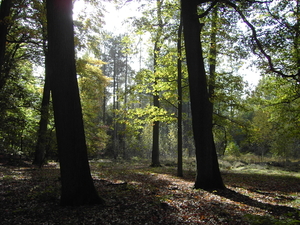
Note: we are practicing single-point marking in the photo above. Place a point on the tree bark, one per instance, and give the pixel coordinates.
(42, 140)
(179, 110)
(208, 173)
(155, 134)
(76, 180)
(40, 151)
(156, 50)
(4, 14)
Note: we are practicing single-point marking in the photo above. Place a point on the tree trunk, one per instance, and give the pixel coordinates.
(76, 180)
(155, 137)
(42, 141)
(156, 50)
(213, 55)
(4, 13)
(208, 173)
(40, 151)
(179, 110)
(115, 131)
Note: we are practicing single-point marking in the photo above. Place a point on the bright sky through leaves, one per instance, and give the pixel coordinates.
(115, 22)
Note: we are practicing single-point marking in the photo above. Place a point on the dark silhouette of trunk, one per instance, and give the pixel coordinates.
(77, 186)
(4, 13)
(43, 137)
(155, 137)
(40, 151)
(179, 110)
(208, 173)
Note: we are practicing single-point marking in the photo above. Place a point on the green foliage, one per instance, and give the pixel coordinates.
(233, 149)
(92, 83)
(278, 107)
(19, 100)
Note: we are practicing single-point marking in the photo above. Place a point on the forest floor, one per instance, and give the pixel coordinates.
(138, 194)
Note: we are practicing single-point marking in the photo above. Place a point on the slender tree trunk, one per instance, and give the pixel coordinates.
(155, 137)
(4, 14)
(40, 151)
(208, 173)
(179, 89)
(213, 56)
(115, 139)
(77, 184)
(125, 103)
(156, 50)
(42, 140)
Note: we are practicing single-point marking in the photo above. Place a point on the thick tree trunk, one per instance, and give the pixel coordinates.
(4, 13)
(76, 180)
(208, 173)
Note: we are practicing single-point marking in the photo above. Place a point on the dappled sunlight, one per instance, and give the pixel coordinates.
(137, 192)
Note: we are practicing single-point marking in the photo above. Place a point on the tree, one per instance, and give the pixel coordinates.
(42, 135)
(92, 84)
(18, 95)
(208, 173)
(271, 25)
(76, 180)
(4, 21)
(276, 102)
(162, 27)
(117, 68)
(179, 111)
(156, 51)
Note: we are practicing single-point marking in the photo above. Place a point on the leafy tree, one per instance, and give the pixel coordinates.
(159, 79)
(43, 134)
(92, 84)
(116, 55)
(277, 99)
(274, 29)
(18, 101)
(18, 96)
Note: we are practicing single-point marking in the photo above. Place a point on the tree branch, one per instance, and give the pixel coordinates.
(259, 44)
(208, 10)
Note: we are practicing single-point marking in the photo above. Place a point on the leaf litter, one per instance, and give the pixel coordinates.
(139, 194)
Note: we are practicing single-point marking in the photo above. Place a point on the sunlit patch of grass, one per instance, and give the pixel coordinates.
(7, 177)
(295, 203)
(268, 220)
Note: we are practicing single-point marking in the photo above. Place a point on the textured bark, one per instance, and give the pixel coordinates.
(208, 173)
(76, 180)
(4, 14)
